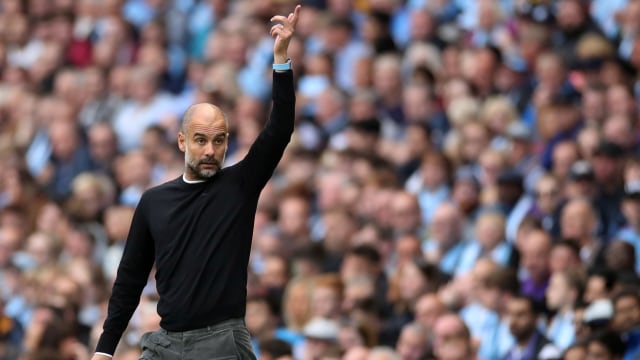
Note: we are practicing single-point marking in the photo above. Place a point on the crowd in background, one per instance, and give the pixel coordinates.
(463, 181)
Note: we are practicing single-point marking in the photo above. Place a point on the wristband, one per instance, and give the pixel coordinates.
(283, 67)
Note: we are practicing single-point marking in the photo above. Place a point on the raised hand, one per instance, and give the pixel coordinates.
(282, 33)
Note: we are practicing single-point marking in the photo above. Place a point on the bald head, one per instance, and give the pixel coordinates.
(202, 110)
(203, 138)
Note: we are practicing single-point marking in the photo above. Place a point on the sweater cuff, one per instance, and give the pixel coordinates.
(107, 343)
(282, 88)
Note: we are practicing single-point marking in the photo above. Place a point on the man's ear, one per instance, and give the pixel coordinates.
(181, 141)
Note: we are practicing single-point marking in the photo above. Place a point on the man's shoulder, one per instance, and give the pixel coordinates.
(159, 189)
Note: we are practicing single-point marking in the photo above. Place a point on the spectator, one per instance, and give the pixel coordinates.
(451, 335)
(565, 288)
(626, 319)
(530, 343)
(606, 345)
(413, 342)
(446, 245)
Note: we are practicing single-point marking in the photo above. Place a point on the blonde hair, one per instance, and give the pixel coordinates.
(499, 107)
(463, 110)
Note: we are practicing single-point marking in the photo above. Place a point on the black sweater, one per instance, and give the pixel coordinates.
(199, 236)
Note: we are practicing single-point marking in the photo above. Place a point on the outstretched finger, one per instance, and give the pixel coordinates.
(293, 17)
(279, 18)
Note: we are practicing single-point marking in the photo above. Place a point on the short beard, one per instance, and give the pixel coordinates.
(204, 174)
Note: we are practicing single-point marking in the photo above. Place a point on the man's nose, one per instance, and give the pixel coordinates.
(209, 150)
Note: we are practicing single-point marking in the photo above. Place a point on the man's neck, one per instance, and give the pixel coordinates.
(184, 178)
(522, 343)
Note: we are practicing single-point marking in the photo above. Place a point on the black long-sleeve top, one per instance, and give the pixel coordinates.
(199, 236)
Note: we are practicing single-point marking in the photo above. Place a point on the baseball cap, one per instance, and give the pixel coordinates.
(321, 329)
(632, 190)
(519, 131)
(581, 170)
(510, 177)
(609, 149)
(370, 126)
(599, 312)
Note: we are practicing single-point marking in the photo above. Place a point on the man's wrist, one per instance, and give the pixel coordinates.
(280, 59)
(282, 67)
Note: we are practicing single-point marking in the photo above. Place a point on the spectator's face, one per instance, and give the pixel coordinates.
(557, 292)
(258, 317)
(413, 283)
(416, 103)
(576, 221)
(631, 18)
(406, 213)
(39, 247)
(204, 143)
(475, 138)
(423, 24)
(564, 155)
(490, 231)
(598, 351)
(575, 353)
(593, 105)
(386, 80)
(325, 302)
(356, 353)
(547, 195)
(562, 258)
(620, 101)
(102, 143)
(275, 272)
(465, 195)
(570, 16)
(340, 228)
(446, 226)
(293, 216)
(491, 163)
(535, 255)
(63, 139)
(354, 266)
(619, 256)
(411, 345)
(617, 129)
(418, 142)
(631, 211)
(627, 314)
(596, 289)
(350, 339)
(428, 309)
(407, 248)
(457, 349)
(297, 304)
(448, 329)
(522, 320)
(606, 168)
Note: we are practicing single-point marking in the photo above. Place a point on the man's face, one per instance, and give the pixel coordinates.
(627, 313)
(204, 143)
(522, 320)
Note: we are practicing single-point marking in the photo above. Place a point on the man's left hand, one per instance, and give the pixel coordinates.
(282, 32)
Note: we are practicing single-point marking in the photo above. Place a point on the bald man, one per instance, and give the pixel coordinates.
(197, 229)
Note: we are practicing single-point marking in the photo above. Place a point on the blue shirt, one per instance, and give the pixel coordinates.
(472, 252)
(485, 325)
(561, 330)
(450, 259)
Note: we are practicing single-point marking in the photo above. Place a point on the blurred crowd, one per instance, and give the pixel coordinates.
(463, 181)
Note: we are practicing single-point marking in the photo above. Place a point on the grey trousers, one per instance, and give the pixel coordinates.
(224, 341)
